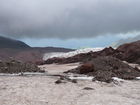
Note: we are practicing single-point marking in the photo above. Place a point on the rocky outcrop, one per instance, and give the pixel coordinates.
(130, 52)
(104, 68)
(17, 67)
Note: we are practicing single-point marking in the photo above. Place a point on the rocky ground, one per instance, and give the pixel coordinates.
(104, 68)
(13, 66)
(42, 90)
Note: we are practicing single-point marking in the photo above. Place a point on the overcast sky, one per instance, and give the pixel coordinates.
(69, 19)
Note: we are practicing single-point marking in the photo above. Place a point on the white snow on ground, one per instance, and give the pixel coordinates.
(70, 54)
(138, 78)
(82, 78)
(90, 78)
(117, 79)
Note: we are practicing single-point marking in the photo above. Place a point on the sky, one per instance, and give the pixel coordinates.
(70, 23)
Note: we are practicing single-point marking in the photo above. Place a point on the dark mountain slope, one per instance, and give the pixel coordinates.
(11, 43)
(18, 50)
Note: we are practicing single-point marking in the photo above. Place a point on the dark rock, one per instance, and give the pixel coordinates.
(74, 81)
(88, 88)
(41, 62)
(86, 68)
(107, 67)
(83, 69)
(42, 71)
(62, 78)
(58, 81)
(14, 66)
(130, 52)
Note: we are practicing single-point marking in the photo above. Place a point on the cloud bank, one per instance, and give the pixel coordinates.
(68, 18)
(127, 40)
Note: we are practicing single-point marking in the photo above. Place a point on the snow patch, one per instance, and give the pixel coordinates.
(117, 79)
(138, 78)
(82, 78)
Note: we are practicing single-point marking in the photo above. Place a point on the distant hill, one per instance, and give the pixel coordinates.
(11, 43)
(18, 50)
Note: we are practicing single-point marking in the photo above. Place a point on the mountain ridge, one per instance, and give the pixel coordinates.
(12, 43)
(18, 50)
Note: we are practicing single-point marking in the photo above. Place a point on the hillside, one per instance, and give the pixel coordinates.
(18, 50)
(11, 43)
(129, 52)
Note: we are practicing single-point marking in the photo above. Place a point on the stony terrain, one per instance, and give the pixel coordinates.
(104, 68)
(42, 90)
(14, 66)
(129, 52)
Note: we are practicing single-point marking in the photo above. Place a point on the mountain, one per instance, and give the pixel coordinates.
(11, 43)
(18, 50)
(129, 52)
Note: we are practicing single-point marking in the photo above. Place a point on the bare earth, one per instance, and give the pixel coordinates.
(41, 90)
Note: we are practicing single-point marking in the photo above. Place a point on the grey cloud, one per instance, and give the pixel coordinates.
(68, 18)
(127, 40)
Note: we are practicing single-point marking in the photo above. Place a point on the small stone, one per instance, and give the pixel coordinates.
(74, 81)
(88, 88)
(58, 81)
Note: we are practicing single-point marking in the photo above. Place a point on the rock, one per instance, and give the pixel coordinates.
(131, 52)
(88, 88)
(58, 81)
(83, 69)
(62, 78)
(14, 66)
(74, 81)
(107, 67)
(42, 71)
(86, 68)
(39, 62)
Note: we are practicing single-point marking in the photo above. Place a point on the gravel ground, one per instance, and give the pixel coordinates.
(41, 90)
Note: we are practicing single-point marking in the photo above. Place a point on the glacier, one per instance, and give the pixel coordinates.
(70, 54)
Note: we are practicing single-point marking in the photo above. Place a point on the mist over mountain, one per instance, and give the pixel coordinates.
(127, 40)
